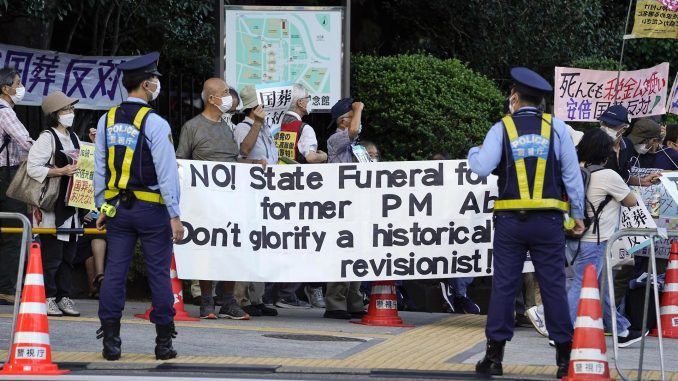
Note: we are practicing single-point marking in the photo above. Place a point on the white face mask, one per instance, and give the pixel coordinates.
(309, 107)
(155, 93)
(641, 148)
(610, 132)
(360, 128)
(66, 120)
(226, 104)
(19, 95)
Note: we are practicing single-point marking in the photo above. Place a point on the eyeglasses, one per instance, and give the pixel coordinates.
(68, 108)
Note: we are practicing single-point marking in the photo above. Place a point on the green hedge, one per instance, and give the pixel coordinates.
(417, 105)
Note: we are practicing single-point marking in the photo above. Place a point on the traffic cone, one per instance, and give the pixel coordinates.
(31, 352)
(669, 303)
(588, 359)
(383, 308)
(178, 291)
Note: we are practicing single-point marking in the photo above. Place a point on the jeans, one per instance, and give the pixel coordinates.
(460, 285)
(592, 253)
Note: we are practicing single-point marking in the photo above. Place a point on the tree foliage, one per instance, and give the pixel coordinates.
(418, 105)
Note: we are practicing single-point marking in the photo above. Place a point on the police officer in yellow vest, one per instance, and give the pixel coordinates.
(136, 185)
(536, 163)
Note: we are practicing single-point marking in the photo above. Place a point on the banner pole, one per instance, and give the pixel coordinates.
(621, 55)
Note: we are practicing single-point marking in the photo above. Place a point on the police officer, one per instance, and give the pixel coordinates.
(137, 183)
(536, 164)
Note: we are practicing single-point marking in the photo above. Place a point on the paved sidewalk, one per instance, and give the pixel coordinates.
(301, 342)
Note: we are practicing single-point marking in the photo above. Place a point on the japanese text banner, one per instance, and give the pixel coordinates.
(334, 222)
(672, 104)
(654, 19)
(95, 81)
(583, 95)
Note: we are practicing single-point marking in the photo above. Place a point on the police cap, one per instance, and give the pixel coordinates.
(146, 64)
(528, 82)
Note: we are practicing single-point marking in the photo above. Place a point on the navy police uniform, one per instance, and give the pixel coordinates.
(535, 161)
(136, 173)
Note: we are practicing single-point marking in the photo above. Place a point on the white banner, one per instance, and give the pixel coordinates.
(583, 95)
(275, 99)
(96, 81)
(672, 104)
(334, 222)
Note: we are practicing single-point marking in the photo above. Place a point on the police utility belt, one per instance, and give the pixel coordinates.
(126, 198)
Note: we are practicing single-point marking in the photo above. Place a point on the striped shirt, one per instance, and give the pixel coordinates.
(20, 141)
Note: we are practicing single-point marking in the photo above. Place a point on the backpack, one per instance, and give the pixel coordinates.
(594, 220)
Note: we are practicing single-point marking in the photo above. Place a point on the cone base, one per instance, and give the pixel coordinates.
(179, 316)
(585, 377)
(44, 369)
(382, 322)
(666, 333)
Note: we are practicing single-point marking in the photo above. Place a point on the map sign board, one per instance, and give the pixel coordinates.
(297, 44)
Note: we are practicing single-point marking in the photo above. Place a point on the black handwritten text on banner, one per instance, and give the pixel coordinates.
(334, 222)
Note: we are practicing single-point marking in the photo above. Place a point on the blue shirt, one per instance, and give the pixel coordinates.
(483, 160)
(158, 138)
(264, 147)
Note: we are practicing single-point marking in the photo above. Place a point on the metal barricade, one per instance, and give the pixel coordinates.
(652, 276)
(25, 243)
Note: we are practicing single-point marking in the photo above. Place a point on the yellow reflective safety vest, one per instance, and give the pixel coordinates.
(529, 176)
(128, 156)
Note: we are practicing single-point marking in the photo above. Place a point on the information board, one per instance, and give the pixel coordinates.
(299, 45)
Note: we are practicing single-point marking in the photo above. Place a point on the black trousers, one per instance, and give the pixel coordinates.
(57, 265)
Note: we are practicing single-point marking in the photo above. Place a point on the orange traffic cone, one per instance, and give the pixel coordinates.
(178, 291)
(669, 302)
(31, 352)
(588, 359)
(383, 308)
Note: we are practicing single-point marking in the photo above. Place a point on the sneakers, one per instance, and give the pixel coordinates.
(52, 308)
(252, 310)
(315, 296)
(233, 311)
(294, 304)
(630, 338)
(467, 305)
(337, 314)
(67, 306)
(448, 294)
(266, 311)
(537, 320)
(207, 308)
(6, 299)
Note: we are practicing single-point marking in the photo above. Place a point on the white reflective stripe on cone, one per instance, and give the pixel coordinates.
(382, 289)
(589, 293)
(672, 265)
(33, 308)
(671, 287)
(173, 274)
(31, 338)
(588, 322)
(587, 354)
(668, 310)
(34, 280)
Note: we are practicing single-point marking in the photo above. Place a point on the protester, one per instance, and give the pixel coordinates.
(47, 159)
(14, 145)
(671, 139)
(372, 150)
(92, 248)
(647, 143)
(208, 137)
(605, 192)
(343, 300)
(526, 220)
(136, 178)
(255, 143)
(304, 150)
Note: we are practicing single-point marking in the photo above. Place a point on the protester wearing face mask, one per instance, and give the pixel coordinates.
(614, 121)
(47, 159)
(208, 137)
(14, 145)
(646, 137)
(671, 138)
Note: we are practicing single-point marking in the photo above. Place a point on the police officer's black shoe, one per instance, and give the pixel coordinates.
(163, 342)
(110, 332)
(491, 363)
(563, 358)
